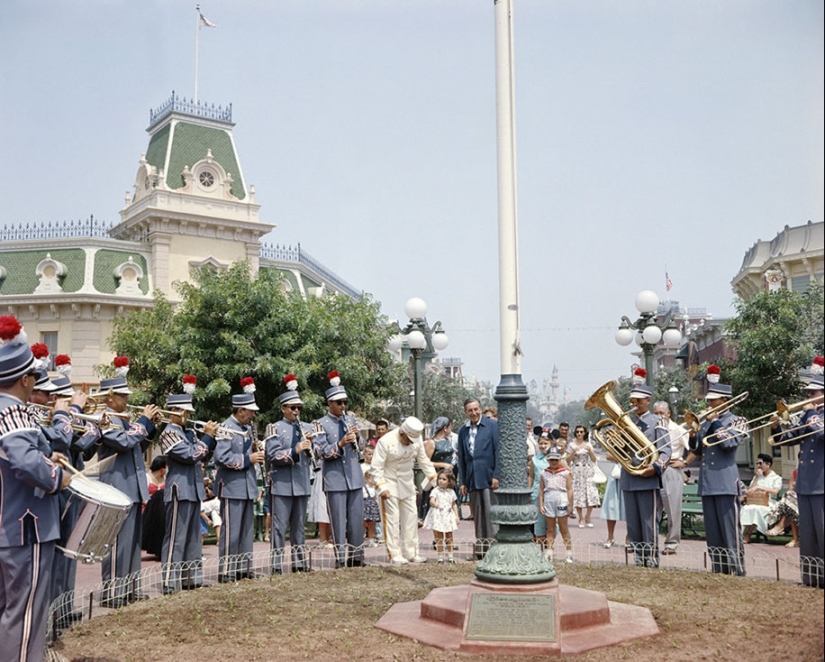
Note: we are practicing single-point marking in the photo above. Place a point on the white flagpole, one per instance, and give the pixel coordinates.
(197, 35)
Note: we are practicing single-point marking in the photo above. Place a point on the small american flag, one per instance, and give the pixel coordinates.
(205, 22)
(668, 282)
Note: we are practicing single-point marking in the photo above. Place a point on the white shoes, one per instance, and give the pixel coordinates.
(417, 559)
(399, 561)
(568, 558)
(372, 543)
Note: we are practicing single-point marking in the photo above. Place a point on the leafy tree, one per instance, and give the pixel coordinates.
(230, 325)
(774, 335)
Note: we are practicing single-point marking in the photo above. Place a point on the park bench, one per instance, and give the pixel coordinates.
(692, 512)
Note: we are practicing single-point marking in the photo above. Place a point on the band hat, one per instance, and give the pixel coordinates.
(16, 358)
(717, 391)
(43, 382)
(290, 398)
(245, 401)
(115, 385)
(816, 384)
(412, 428)
(180, 401)
(336, 391)
(63, 386)
(641, 391)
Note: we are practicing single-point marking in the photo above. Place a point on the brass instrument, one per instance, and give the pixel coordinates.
(95, 402)
(223, 432)
(44, 415)
(623, 439)
(694, 421)
(789, 418)
(134, 412)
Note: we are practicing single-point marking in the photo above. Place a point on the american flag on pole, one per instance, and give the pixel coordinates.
(668, 282)
(205, 22)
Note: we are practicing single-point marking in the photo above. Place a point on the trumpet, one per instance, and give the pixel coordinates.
(694, 421)
(95, 402)
(223, 433)
(623, 439)
(134, 412)
(789, 418)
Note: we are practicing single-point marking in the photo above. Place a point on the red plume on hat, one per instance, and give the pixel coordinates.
(248, 385)
(40, 352)
(11, 331)
(639, 376)
(714, 372)
(334, 378)
(189, 382)
(63, 364)
(291, 382)
(121, 364)
(818, 365)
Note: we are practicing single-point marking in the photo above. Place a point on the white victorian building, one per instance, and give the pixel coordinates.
(190, 207)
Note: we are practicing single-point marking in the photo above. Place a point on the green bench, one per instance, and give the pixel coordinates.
(692, 512)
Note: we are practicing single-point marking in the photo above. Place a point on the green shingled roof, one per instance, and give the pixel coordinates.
(104, 274)
(21, 266)
(156, 152)
(190, 143)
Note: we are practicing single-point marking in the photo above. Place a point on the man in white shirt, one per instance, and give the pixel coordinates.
(673, 482)
(392, 470)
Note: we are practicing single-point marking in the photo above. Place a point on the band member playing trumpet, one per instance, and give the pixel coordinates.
(237, 488)
(183, 492)
(289, 449)
(343, 479)
(30, 523)
(58, 431)
(808, 434)
(124, 441)
(719, 479)
(641, 492)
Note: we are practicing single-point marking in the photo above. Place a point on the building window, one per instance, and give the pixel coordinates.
(800, 283)
(50, 340)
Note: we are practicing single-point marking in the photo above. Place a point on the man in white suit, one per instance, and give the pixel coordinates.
(392, 469)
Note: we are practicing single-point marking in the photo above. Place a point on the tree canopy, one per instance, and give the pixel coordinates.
(774, 335)
(230, 325)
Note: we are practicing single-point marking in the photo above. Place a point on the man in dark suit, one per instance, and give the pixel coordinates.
(478, 470)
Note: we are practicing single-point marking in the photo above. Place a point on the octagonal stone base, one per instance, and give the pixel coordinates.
(481, 618)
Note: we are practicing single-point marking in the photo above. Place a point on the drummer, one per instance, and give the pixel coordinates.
(128, 474)
(30, 524)
(182, 543)
(64, 569)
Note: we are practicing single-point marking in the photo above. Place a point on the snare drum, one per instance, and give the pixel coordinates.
(101, 510)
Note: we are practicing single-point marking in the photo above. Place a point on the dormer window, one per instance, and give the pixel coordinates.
(51, 273)
(206, 178)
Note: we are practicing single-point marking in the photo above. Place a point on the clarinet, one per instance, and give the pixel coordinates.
(356, 446)
(310, 452)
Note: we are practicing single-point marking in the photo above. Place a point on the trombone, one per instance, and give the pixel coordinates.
(789, 419)
(694, 421)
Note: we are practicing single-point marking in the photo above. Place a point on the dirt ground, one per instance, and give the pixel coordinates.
(330, 615)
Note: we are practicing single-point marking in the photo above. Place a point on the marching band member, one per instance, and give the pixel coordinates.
(30, 522)
(238, 486)
(719, 479)
(641, 493)
(64, 569)
(58, 431)
(123, 441)
(343, 479)
(182, 549)
(392, 468)
(808, 434)
(288, 449)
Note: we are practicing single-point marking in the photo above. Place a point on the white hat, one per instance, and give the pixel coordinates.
(412, 428)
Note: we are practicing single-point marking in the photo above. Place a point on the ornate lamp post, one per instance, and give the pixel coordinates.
(424, 341)
(649, 332)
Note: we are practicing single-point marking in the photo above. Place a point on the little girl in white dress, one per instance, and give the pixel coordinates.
(442, 517)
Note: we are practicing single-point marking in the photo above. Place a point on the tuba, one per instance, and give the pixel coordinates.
(622, 439)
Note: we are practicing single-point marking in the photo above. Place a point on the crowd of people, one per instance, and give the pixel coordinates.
(359, 492)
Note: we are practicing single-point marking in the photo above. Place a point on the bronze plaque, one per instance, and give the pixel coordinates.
(512, 617)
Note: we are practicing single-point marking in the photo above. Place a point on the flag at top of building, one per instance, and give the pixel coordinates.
(204, 22)
(668, 283)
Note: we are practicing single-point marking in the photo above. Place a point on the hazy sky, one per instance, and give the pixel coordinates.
(650, 133)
